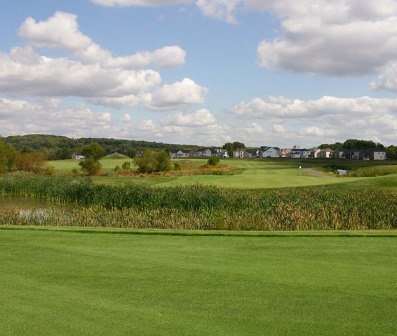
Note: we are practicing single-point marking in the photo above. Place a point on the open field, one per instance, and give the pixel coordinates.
(251, 174)
(116, 283)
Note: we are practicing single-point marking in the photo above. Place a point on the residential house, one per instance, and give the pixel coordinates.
(78, 156)
(268, 152)
(285, 152)
(178, 154)
(222, 153)
(239, 153)
(323, 153)
(300, 153)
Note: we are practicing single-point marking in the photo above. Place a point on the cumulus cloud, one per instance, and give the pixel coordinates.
(89, 71)
(142, 3)
(327, 119)
(199, 118)
(44, 76)
(176, 95)
(61, 31)
(224, 10)
(47, 117)
(332, 38)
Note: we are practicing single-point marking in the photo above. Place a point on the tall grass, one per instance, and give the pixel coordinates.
(201, 207)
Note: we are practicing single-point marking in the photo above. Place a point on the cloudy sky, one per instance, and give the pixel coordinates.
(206, 72)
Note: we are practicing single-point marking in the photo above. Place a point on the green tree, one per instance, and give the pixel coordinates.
(9, 157)
(153, 161)
(232, 146)
(213, 160)
(163, 161)
(147, 163)
(33, 162)
(90, 166)
(94, 151)
(391, 152)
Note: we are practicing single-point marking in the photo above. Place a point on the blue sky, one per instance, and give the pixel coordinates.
(263, 72)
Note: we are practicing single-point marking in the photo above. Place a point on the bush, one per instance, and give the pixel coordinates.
(213, 160)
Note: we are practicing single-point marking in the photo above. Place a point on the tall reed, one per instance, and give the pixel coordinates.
(201, 207)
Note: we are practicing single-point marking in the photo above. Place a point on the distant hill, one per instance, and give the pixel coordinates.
(57, 147)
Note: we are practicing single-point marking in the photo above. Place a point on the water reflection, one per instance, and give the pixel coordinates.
(24, 203)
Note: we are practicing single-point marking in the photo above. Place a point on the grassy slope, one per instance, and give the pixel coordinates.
(254, 175)
(70, 283)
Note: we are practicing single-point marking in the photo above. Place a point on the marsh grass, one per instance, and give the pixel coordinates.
(201, 207)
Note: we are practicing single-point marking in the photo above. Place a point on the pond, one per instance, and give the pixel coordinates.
(24, 203)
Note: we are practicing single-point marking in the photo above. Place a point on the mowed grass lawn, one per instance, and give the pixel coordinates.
(89, 283)
(253, 174)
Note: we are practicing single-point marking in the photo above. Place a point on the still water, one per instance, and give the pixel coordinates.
(23, 203)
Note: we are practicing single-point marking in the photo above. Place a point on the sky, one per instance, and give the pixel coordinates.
(205, 72)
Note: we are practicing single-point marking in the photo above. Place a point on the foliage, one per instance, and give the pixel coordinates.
(61, 147)
(9, 157)
(212, 208)
(391, 152)
(90, 166)
(94, 151)
(31, 162)
(232, 146)
(213, 160)
(153, 161)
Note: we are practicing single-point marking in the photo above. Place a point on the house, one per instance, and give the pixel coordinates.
(222, 153)
(323, 153)
(239, 153)
(268, 152)
(285, 152)
(373, 154)
(360, 154)
(78, 156)
(178, 154)
(300, 153)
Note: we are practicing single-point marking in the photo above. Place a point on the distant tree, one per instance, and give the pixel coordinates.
(94, 151)
(391, 152)
(163, 161)
(90, 166)
(33, 162)
(232, 146)
(213, 160)
(153, 161)
(92, 154)
(9, 157)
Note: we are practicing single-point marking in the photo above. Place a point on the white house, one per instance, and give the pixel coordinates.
(77, 156)
(300, 153)
(239, 153)
(178, 154)
(269, 152)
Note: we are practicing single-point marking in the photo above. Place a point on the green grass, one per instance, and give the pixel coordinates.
(252, 174)
(75, 283)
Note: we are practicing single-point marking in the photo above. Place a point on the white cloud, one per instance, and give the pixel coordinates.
(44, 76)
(327, 119)
(176, 95)
(224, 10)
(278, 129)
(199, 118)
(387, 79)
(341, 38)
(61, 31)
(52, 118)
(143, 3)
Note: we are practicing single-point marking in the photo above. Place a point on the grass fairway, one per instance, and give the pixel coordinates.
(253, 174)
(88, 283)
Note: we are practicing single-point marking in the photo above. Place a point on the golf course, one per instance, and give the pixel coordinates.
(271, 248)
